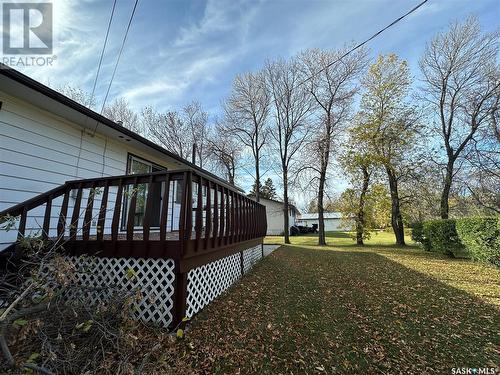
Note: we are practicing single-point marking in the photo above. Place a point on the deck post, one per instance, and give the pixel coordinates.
(180, 296)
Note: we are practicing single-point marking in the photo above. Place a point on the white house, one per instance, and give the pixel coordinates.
(333, 221)
(275, 216)
(47, 139)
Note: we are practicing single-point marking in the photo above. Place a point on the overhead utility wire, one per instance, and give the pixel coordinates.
(118, 60)
(361, 44)
(119, 55)
(103, 50)
(95, 82)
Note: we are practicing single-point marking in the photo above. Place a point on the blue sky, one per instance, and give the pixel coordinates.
(178, 51)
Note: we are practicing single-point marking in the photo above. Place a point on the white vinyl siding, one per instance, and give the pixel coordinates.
(331, 224)
(275, 217)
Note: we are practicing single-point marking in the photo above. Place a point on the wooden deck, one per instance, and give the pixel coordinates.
(214, 219)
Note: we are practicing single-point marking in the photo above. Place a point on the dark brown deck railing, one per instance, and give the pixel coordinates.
(213, 218)
(98, 217)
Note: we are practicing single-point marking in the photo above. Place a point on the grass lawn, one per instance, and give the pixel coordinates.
(345, 309)
(340, 239)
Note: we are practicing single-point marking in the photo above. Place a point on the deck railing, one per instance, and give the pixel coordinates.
(99, 216)
(179, 215)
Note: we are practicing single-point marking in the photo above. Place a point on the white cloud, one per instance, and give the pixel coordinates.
(147, 91)
(197, 57)
(215, 19)
(229, 17)
(75, 42)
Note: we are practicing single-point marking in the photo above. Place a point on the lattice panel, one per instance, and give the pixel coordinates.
(251, 256)
(99, 278)
(207, 282)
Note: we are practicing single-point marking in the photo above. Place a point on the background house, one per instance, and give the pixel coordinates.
(333, 221)
(275, 215)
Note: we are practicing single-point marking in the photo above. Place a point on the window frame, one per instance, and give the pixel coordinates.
(130, 157)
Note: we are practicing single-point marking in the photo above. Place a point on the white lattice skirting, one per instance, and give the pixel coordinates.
(97, 279)
(250, 257)
(153, 278)
(207, 282)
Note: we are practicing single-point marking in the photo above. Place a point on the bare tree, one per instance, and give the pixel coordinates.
(225, 151)
(333, 87)
(246, 110)
(461, 81)
(196, 120)
(167, 129)
(480, 177)
(291, 126)
(179, 132)
(78, 95)
(120, 112)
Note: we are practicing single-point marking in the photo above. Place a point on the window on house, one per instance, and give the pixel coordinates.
(138, 165)
(178, 192)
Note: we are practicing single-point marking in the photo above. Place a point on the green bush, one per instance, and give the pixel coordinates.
(417, 234)
(481, 237)
(417, 231)
(441, 236)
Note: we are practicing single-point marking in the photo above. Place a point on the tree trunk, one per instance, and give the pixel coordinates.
(230, 173)
(257, 177)
(324, 148)
(445, 194)
(360, 222)
(396, 218)
(321, 210)
(286, 222)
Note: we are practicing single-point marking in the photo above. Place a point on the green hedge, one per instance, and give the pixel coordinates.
(417, 231)
(481, 237)
(475, 237)
(417, 234)
(441, 236)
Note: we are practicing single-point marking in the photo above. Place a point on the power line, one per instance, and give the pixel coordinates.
(102, 52)
(95, 82)
(119, 54)
(361, 44)
(118, 60)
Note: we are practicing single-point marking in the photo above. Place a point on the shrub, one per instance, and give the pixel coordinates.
(441, 237)
(417, 231)
(481, 237)
(417, 234)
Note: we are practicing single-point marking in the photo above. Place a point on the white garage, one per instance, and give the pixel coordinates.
(333, 221)
(275, 215)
